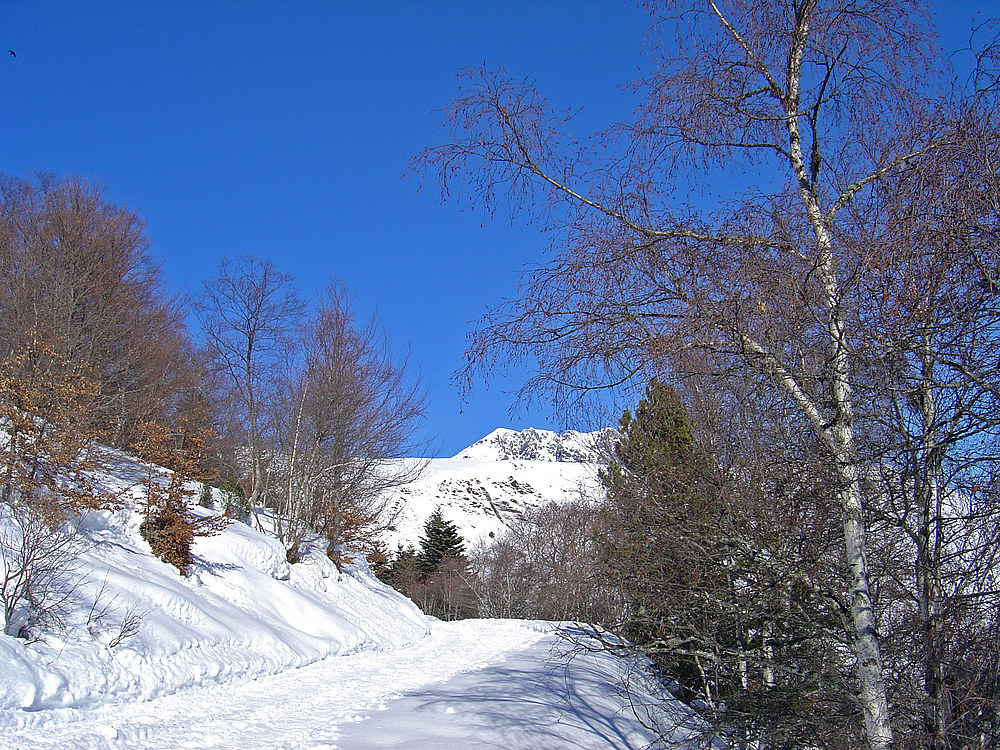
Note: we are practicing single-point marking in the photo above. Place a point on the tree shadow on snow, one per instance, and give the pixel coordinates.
(543, 697)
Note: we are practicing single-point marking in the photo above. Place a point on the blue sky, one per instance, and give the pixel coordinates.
(283, 129)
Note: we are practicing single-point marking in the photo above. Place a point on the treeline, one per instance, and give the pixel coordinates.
(436, 574)
(289, 409)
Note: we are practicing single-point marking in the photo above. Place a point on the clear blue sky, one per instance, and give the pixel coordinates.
(283, 129)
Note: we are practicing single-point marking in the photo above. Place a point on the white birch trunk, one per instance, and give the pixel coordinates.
(839, 434)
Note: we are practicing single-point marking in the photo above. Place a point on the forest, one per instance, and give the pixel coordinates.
(793, 244)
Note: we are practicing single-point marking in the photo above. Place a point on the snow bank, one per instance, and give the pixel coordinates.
(242, 612)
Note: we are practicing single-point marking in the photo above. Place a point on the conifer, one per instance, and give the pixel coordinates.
(441, 540)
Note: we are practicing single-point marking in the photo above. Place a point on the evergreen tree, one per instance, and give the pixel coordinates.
(399, 569)
(725, 595)
(440, 541)
(666, 549)
(656, 455)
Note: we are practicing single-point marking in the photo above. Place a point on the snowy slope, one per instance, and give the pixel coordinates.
(249, 651)
(498, 478)
(242, 612)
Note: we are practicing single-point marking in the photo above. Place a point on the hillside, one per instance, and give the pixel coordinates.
(498, 478)
(242, 612)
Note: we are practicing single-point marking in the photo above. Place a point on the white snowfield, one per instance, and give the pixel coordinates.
(249, 651)
(485, 487)
(482, 497)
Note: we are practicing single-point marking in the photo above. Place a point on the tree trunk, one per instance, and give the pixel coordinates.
(872, 692)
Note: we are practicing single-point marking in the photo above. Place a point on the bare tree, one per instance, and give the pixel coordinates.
(349, 420)
(544, 565)
(76, 274)
(38, 556)
(249, 315)
(934, 419)
(812, 105)
(47, 464)
(92, 349)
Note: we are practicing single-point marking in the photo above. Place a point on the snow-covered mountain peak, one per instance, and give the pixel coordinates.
(540, 445)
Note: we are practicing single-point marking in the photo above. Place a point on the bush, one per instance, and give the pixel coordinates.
(169, 526)
(37, 560)
(170, 531)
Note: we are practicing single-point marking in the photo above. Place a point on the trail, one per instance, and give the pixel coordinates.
(299, 708)
(469, 684)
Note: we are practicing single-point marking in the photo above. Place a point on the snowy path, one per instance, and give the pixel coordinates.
(350, 702)
(528, 702)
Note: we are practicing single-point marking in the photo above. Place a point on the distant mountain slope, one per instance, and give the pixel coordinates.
(498, 478)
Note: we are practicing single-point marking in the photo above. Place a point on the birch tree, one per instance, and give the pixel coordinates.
(351, 413)
(786, 116)
(934, 415)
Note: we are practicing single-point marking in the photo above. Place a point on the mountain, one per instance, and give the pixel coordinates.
(485, 487)
(541, 445)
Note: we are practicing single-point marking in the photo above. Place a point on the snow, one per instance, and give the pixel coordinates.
(251, 651)
(282, 710)
(539, 697)
(539, 445)
(242, 612)
(482, 496)
(469, 684)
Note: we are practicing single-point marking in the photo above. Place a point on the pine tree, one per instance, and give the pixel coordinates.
(718, 583)
(656, 456)
(666, 549)
(441, 540)
(400, 571)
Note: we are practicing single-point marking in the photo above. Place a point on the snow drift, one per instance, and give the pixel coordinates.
(135, 629)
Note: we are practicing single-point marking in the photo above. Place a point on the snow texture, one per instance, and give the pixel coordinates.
(242, 612)
(469, 684)
(497, 479)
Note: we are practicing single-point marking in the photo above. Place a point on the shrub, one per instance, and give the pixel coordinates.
(169, 526)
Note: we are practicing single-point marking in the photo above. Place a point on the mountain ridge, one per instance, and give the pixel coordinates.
(498, 479)
(533, 444)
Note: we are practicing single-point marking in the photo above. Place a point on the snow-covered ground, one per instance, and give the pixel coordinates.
(242, 612)
(469, 684)
(251, 651)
